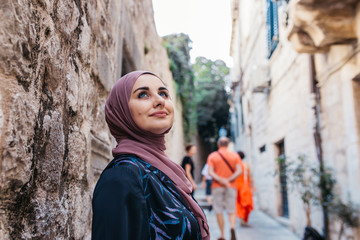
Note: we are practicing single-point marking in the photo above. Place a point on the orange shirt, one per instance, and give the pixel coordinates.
(220, 167)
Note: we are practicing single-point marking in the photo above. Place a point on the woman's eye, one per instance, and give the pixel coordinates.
(142, 95)
(164, 94)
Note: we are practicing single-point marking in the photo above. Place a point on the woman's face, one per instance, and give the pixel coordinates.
(150, 104)
(192, 151)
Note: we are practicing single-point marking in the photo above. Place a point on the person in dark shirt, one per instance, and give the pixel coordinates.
(142, 194)
(188, 165)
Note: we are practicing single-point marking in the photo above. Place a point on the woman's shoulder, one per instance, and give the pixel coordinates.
(123, 166)
(122, 176)
(126, 160)
(125, 169)
(186, 159)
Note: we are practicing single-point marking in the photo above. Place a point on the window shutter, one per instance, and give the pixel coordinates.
(268, 25)
(275, 23)
(272, 26)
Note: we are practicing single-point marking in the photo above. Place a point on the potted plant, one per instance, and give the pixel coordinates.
(315, 185)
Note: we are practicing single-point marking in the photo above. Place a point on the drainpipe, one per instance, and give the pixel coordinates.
(318, 144)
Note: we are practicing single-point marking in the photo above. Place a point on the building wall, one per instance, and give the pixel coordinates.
(59, 62)
(284, 111)
(339, 119)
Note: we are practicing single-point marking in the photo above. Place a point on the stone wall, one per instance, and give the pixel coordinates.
(59, 59)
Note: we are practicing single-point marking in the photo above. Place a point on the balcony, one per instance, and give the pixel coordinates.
(314, 25)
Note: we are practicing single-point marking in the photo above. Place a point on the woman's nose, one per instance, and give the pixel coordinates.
(159, 101)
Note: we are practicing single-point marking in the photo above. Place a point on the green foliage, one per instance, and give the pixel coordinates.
(178, 50)
(348, 214)
(315, 184)
(308, 179)
(200, 88)
(212, 108)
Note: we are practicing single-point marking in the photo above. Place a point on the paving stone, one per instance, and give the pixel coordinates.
(262, 226)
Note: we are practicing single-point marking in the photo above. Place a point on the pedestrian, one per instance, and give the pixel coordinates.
(206, 183)
(142, 194)
(244, 201)
(188, 165)
(224, 168)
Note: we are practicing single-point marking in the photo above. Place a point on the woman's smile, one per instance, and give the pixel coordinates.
(159, 114)
(151, 105)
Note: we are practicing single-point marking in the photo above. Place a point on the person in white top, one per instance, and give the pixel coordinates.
(206, 183)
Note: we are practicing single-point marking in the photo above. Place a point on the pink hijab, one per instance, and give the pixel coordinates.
(148, 146)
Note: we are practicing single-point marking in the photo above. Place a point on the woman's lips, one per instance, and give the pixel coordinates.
(159, 114)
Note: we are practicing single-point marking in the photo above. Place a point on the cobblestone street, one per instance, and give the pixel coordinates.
(262, 226)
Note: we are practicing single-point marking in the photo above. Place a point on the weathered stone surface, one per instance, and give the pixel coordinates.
(59, 59)
(318, 24)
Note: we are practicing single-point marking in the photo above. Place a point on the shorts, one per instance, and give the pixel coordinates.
(208, 187)
(224, 198)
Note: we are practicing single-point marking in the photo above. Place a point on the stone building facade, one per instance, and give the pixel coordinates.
(296, 84)
(59, 60)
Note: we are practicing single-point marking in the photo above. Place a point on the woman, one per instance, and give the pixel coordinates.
(188, 165)
(142, 194)
(244, 201)
(206, 183)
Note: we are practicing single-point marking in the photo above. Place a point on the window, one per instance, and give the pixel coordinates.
(262, 149)
(272, 26)
(236, 123)
(242, 113)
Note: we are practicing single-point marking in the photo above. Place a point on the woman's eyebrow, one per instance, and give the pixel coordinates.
(163, 88)
(141, 88)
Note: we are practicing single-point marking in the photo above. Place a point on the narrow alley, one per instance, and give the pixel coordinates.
(106, 103)
(261, 226)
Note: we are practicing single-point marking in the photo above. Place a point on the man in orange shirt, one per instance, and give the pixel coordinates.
(224, 168)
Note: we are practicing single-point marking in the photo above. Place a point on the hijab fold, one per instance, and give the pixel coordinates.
(148, 146)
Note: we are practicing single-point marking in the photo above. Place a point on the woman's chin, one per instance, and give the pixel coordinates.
(160, 131)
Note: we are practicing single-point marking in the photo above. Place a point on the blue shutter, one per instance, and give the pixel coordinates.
(275, 38)
(272, 26)
(268, 25)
